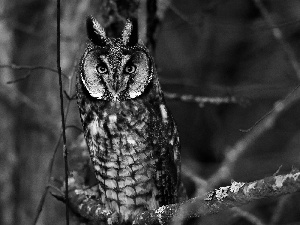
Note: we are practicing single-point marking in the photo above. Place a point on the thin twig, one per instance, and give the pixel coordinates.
(74, 127)
(187, 19)
(233, 153)
(279, 36)
(267, 121)
(30, 68)
(49, 174)
(19, 79)
(200, 183)
(65, 151)
(50, 168)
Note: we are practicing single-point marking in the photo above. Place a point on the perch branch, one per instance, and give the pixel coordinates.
(84, 203)
(237, 194)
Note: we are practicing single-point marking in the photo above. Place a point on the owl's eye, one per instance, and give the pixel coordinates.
(101, 68)
(130, 69)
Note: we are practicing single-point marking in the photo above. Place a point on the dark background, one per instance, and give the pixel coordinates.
(205, 48)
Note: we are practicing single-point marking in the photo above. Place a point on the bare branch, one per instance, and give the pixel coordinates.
(237, 194)
(233, 153)
(263, 124)
(248, 216)
(49, 175)
(19, 79)
(283, 201)
(30, 68)
(279, 36)
(187, 19)
(63, 122)
(84, 201)
(201, 101)
(201, 184)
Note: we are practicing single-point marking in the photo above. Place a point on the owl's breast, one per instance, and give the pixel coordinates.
(125, 127)
(124, 156)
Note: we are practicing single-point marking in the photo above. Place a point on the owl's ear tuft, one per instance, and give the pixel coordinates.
(95, 31)
(127, 32)
(130, 32)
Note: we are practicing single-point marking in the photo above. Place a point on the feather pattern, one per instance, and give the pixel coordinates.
(131, 135)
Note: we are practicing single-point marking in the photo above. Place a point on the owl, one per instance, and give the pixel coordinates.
(130, 133)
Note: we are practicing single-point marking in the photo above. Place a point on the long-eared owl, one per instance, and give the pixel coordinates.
(131, 134)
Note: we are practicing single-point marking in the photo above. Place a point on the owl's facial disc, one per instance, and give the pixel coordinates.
(117, 76)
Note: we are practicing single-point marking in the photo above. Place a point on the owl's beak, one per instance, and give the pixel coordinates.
(116, 86)
(115, 91)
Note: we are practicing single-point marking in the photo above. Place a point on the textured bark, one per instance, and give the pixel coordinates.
(223, 198)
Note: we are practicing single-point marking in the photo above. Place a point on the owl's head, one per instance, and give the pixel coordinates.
(115, 69)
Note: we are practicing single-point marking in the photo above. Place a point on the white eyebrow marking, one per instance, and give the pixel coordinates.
(164, 113)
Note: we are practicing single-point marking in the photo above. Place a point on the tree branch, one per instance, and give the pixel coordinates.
(30, 68)
(65, 151)
(201, 101)
(237, 194)
(279, 36)
(84, 201)
(248, 216)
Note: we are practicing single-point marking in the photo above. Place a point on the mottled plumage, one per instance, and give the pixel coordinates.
(131, 135)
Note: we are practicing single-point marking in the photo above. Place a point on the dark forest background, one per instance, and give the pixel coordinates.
(212, 48)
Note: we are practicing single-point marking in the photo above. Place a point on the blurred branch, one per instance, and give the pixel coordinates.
(51, 163)
(30, 68)
(267, 121)
(201, 101)
(19, 79)
(188, 19)
(283, 201)
(49, 175)
(193, 20)
(261, 126)
(15, 98)
(200, 183)
(248, 216)
(279, 36)
(74, 127)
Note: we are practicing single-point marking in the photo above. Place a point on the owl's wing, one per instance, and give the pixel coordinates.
(168, 160)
